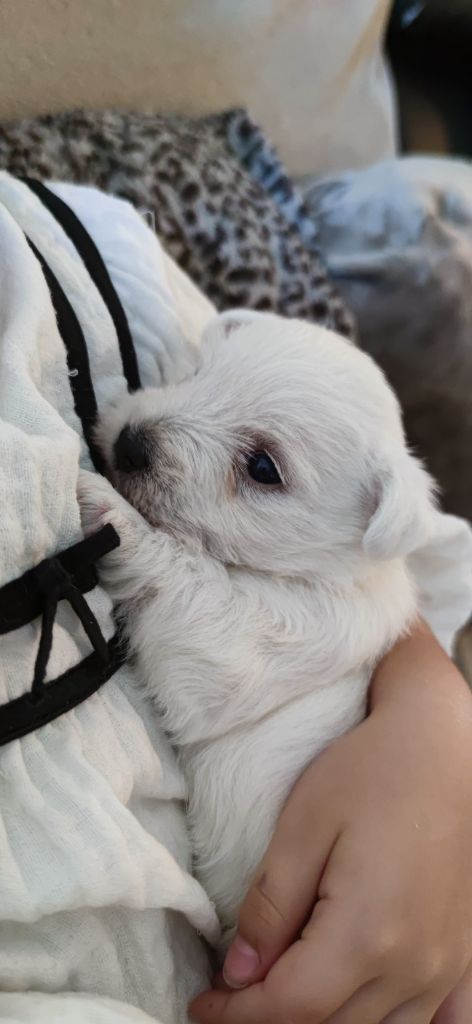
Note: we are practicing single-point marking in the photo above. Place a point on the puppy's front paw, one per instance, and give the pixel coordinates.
(97, 501)
(99, 505)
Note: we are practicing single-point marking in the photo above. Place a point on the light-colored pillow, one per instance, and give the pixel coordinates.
(397, 240)
(311, 71)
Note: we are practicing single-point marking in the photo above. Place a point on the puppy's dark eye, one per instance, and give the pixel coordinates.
(261, 469)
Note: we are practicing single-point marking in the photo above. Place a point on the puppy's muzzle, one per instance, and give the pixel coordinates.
(130, 451)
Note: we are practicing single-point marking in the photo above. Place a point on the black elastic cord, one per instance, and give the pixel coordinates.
(44, 649)
(77, 360)
(22, 600)
(65, 576)
(57, 584)
(97, 269)
(24, 714)
(89, 622)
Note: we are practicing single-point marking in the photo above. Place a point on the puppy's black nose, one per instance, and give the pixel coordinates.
(130, 451)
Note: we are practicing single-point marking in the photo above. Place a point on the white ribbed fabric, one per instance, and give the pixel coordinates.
(95, 892)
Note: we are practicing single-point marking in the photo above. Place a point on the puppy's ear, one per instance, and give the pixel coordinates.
(404, 509)
(224, 324)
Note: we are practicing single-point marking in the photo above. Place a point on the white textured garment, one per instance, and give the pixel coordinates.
(93, 849)
(95, 894)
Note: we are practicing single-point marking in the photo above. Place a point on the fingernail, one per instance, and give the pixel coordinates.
(241, 964)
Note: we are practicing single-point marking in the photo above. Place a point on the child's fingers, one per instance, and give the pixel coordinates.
(414, 1013)
(283, 893)
(313, 980)
(458, 1006)
(368, 1007)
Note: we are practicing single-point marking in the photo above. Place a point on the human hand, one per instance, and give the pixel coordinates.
(361, 911)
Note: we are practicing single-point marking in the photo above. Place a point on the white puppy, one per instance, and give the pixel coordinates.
(268, 574)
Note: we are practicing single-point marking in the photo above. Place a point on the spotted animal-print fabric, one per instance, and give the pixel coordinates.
(218, 196)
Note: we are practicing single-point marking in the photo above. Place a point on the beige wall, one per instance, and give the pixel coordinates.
(310, 70)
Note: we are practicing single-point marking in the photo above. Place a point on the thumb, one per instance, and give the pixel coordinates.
(285, 887)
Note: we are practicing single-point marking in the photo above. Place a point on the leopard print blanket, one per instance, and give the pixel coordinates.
(219, 198)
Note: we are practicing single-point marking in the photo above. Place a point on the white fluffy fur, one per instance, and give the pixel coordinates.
(258, 613)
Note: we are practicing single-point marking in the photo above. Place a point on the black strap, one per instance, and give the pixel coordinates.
(97, 269)
(56, 584)
(22, 600)
(25, 714)
(77, 360)
(63, 577)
